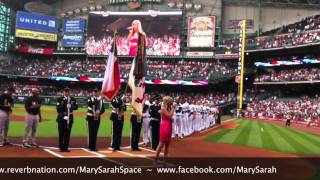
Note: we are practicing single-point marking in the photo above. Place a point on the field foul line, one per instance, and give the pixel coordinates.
(136, 155)
(150, 150)
(214, 127)
(144, 157)
(95, 153)
(53, 153)
(104, 157)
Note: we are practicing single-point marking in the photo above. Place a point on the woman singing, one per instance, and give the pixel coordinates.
(166, 111)
(137, 42)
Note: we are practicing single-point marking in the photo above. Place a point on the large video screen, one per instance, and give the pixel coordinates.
(162, 30)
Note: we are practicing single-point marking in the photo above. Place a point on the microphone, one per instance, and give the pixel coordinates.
(129, 28)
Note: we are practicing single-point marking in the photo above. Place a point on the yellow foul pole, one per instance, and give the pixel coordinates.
(241, 64)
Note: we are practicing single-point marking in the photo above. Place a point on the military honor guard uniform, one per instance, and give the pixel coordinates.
(65, 107)
(136, 124)
(117, 118)
(95, 110)
(155, 122)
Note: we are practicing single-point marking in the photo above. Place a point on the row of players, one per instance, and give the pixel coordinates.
(188, 118)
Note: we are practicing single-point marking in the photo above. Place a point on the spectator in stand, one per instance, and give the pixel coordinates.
(302, 109)
(163, 69)
(304, 74)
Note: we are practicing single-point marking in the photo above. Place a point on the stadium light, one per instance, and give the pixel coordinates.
(197, 7)
(92, 8)
(70, 12)
(98, 7)
(171, 4)
(179, 5)
(84, 9)
(188, 5)
(77, 11)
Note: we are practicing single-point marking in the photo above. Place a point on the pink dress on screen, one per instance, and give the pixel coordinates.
(133, 46)
(165, 129)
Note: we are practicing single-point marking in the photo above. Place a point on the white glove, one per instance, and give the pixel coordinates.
(68, 106)
(66, 118)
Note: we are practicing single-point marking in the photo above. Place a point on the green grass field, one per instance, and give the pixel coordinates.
(79, 129)
(267, 136)
(50, 129)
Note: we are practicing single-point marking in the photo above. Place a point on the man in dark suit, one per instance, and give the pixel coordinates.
(95, 110)
(117, 117)
(65, 107)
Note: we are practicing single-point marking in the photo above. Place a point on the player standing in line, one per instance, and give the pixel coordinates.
(6, 105)
(32, 118)
(146, 121)
(178, 116)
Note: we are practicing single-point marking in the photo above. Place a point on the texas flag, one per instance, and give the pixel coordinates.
(111, 82)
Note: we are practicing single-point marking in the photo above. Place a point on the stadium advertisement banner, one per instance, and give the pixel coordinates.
(36, 35)
(227, 56)
(162, 29)
(73, 25)
(72, 40)
(37, 22)
(34, 50)
(236, 24)
(287, 63)
(201, 31)
(156, 82)
(199, 54)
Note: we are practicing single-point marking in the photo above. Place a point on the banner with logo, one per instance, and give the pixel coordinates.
(73, 25)
(37, 22)
(36, 35)
(201, 31)
(236, 24)
(35, 50)
(72, 40)
(199, 54)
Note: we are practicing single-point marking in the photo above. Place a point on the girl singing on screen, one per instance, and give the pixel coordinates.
(137, 42)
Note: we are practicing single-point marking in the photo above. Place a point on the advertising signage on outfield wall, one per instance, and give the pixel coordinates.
(37, 22)
(72, 40)
(73, 25)
(36, 35)
(201, 31)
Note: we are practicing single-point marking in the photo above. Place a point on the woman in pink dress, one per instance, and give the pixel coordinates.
(137, 48)
(133, 36)
(167, 111)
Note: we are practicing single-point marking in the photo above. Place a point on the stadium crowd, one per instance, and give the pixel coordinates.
(167, 45)
(304, 74)
(301, 109)
(165, 69)
(303, 32)
(212, 99)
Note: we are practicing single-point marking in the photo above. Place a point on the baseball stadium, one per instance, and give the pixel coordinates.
(151, 84)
